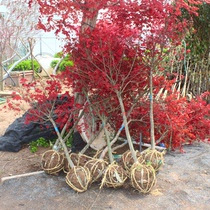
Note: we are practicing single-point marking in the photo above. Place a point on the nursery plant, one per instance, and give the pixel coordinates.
(18, 25)
(41, 142)
(121, 65)
(49, 108)
(26, 65)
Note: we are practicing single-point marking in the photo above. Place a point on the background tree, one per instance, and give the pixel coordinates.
(18, 24)
(198, 43)
(198, 39)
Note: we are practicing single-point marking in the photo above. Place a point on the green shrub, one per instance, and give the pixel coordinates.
(64, 63)
(42, 142)
(54, 63)
(58, 55)
(26, 65)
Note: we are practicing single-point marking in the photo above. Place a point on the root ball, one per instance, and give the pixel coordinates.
(127, 159)
(97, 168)
(52, 162)
(143, 177)
(78, 178)
(114, 176)
(154, 157)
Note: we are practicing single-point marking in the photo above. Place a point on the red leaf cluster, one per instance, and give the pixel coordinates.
(114, 50)
(177, 121)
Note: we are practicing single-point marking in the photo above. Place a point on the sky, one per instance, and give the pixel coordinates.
(3, 9)
(47, 43)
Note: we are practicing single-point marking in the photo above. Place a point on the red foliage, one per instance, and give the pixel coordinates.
(177, 121)
(108, 60)
(112, 55)
(48, 99)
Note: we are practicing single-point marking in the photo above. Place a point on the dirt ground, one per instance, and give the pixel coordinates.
(23, 161)
(183, 183)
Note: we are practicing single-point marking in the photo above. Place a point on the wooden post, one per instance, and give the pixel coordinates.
(1, 74)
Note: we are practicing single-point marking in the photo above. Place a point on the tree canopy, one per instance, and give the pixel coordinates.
(118, 48)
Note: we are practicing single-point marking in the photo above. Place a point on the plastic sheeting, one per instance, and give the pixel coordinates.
(19, 134)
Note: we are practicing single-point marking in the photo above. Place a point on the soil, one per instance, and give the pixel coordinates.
(183, 183)
(23, 161)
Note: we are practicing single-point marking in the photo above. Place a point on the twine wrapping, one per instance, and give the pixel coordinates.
(79, 159)
(97, 168)
(128, 161)
(114, 176)
(143, 177)
(52, 162)
(154, 157)
(78, 178)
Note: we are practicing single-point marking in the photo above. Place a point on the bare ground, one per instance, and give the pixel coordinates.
(183, 183)
(23, 161)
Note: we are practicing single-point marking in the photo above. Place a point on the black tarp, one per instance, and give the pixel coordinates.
(78, 144)
(19, 133)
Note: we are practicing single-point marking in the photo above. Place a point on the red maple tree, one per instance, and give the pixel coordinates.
(118, 48)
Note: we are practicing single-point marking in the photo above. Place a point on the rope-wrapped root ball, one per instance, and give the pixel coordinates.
(79, 159)
(127, 159)
(154, 157)
(78, 178)
(66, 166)
(143, 177)
(52, 162)
(97, 168)
(114, 176)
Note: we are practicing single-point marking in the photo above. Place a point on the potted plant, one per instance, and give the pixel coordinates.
(25, 69)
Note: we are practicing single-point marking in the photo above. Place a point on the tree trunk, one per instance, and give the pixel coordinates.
(1, 74)
(125, 123)
(152, 127)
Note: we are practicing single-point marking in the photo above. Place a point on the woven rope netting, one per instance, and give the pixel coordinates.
(114, 176)
(127, 159)
(154, 157)
(78, 178)
(79, 159)
(97, 168)
(143, 177)
(52, 162)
